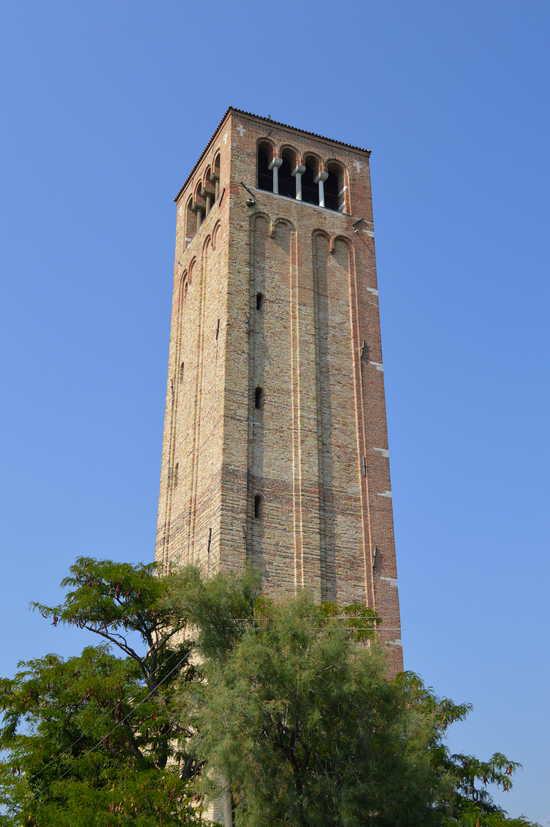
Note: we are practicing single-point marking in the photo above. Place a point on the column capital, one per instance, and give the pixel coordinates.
(275, 162)
(321, 176)
(300, 169)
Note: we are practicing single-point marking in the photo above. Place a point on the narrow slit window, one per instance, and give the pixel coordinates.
(258, 398)
(182, 371)
(217, 329)
(258, 506)
(259, 301)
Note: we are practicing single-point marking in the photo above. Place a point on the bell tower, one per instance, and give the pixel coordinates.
(275, 447)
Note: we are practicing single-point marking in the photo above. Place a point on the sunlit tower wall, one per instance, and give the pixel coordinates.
(275, 450)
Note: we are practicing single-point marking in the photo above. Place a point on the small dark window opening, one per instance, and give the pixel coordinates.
(258, 506)
(182, 371)
(310, 189)
(265, 175)
(208, 550)
(259, 301)
(217, 329)
(258, 398)
(334, 189)
(287, 181)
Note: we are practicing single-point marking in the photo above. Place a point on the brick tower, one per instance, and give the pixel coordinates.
(275, 448)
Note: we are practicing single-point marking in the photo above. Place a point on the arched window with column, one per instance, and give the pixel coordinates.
(287, 179)
(310, 184)
(335, 187)
(265, 170)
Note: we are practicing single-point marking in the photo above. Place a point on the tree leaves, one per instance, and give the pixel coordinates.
(299, 720)
(96, 739)
(199, 687)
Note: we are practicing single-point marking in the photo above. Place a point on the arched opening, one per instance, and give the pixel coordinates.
(216, 172)
(190, 222)
(310, 187)
(199, 204)
(258, 506)
(287, 181)
(258, 398)
(335, 192)
(265, 174)
(209, 191)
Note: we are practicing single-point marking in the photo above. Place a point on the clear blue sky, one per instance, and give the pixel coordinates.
(105, 107)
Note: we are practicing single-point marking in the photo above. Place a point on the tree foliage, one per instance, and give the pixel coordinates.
(202, 687)
(96, 739)
(300, 723)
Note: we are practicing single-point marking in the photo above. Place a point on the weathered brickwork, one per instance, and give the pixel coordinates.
(275, 447)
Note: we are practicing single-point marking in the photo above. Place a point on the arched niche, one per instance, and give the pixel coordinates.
(266, 153)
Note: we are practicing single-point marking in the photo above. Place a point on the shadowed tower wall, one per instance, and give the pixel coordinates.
(275, 447)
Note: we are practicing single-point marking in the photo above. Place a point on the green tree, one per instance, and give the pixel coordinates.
(200, 686)
(300, 721)
(96, 739)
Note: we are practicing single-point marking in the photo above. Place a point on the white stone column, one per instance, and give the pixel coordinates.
(342, 199)
(298, 172)
(320, 179)
(274, 165)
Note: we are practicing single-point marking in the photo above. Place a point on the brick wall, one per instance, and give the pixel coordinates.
(315, 451)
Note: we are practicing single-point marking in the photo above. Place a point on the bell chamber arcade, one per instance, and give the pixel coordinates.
(305, 177)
